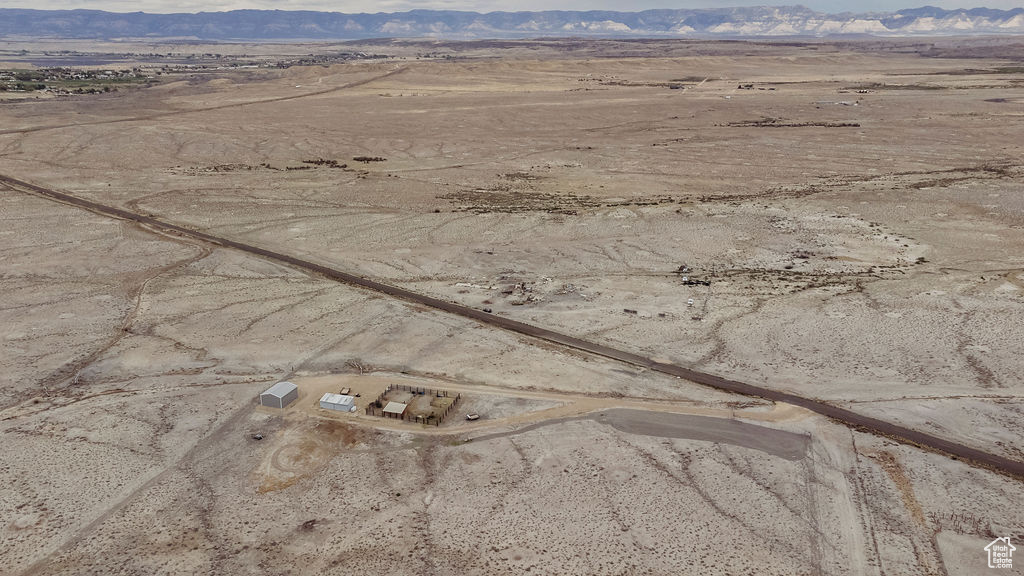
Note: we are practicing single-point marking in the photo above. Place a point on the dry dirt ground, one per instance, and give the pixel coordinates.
(857, 212)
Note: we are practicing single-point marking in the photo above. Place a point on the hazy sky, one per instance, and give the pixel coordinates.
(833, 6)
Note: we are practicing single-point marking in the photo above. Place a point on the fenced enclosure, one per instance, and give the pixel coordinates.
(424, 405)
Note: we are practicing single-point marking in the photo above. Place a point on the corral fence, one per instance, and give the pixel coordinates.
(376, 408)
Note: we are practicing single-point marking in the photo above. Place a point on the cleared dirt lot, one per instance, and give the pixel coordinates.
(876, 264)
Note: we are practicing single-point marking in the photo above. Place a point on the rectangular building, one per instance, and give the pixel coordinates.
(339, 402)
(279, 395)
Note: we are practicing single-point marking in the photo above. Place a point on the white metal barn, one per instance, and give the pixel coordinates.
(279, 395)
(339, 402)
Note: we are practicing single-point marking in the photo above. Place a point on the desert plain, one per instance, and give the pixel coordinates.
(843, 221)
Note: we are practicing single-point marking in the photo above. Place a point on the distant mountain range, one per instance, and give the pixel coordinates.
(719, 22)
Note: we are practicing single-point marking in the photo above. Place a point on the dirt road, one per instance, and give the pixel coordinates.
(866, 423)
(160, 115)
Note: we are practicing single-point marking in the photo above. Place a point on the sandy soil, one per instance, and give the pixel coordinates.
(869, 255)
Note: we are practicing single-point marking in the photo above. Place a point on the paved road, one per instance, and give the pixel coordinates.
(779, 443)
(859, 421)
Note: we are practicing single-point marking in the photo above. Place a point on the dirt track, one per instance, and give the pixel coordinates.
(958, 451)
(209, 108)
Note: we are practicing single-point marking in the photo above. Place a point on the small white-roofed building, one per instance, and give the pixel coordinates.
(279, 395)
(339, 402)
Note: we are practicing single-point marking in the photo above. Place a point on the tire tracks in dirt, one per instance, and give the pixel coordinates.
(154, 479)
(69, 374)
